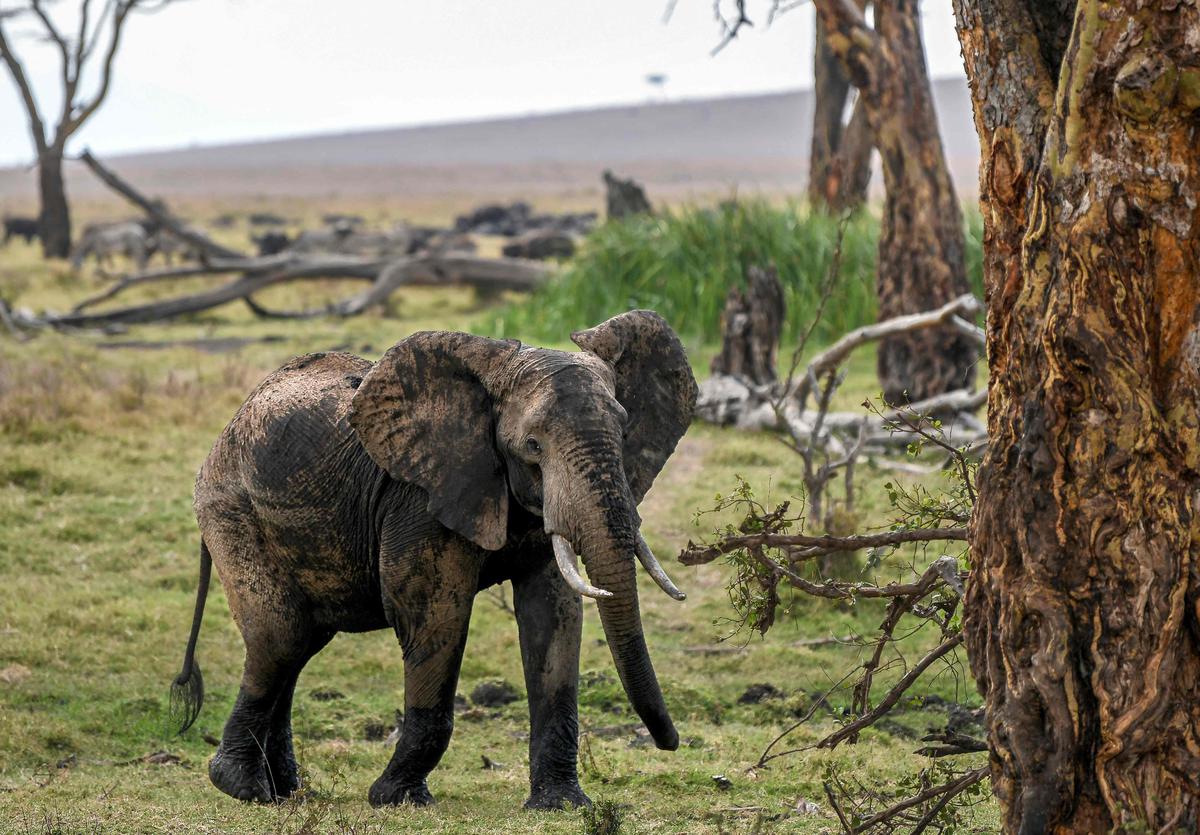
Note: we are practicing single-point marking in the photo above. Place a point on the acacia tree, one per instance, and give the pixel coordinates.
(1083, 613)
(921, 263)
(839, 166)
(93, 36)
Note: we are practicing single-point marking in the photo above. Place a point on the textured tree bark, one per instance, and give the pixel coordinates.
(840, 161)
(1082, 618)
(54, 221)
(921, 258)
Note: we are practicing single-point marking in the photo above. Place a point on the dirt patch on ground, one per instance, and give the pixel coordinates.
(658, 509)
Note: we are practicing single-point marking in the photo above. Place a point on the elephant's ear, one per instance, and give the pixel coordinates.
(424, 414)
(654, 384)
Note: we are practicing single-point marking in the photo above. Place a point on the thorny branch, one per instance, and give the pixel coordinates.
(771, 550)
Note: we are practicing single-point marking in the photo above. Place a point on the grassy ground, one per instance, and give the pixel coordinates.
(98, 562)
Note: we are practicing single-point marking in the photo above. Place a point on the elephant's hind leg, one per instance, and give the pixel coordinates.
(282, 767)
(277, 648)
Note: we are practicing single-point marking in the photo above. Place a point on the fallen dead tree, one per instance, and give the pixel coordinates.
(736, 400)
(252, 275)
(158, 212)
(260, 274)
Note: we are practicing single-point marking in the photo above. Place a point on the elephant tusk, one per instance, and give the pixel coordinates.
(564, 555)
(655, 570)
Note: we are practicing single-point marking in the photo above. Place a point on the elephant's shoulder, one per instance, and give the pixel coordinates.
(322, 369)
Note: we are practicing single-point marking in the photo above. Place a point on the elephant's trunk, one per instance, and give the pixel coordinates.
(623, 628)
(608, 539)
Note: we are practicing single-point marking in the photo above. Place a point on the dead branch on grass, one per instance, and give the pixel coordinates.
(252, 275)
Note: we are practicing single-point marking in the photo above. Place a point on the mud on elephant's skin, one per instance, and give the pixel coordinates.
(347, 496)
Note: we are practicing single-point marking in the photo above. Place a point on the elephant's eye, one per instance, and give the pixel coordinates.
(532, 446)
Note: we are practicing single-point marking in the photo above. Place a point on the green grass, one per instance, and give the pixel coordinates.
(97, 580)
(683, 262)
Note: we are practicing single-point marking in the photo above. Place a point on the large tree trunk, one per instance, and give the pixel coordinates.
(54, 221)
(921, 258)
(1083, 613)
(839, 167)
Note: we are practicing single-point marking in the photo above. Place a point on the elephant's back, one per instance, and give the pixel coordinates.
(290, 434)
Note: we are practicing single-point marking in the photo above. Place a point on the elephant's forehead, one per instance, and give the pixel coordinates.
(558, 374)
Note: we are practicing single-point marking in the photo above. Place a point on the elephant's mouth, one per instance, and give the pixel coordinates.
(565, 557)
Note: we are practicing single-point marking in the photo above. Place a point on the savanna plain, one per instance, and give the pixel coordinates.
(99, 446)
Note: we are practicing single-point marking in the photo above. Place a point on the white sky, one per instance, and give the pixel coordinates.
(208, 71)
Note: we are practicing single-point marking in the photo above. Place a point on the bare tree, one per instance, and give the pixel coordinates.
(95, 39)
(1082, 618)
(921, 244)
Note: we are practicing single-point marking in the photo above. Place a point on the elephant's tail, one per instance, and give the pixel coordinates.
(187, 691)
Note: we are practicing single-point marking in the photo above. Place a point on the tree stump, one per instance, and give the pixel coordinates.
(751, 326)
(742, 386)
(625, 197)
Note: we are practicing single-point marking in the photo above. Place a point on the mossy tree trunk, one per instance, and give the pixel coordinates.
(921, 245)
(840, 161)
(1082, 619)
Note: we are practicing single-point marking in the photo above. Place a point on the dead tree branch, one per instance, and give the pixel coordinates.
(157, 210)
(260, 274)
(815, 545)
(833, 356)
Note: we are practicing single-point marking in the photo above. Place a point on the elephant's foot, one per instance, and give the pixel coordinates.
(557, 796)
(244, 778)
(284, 773)
(389, 792)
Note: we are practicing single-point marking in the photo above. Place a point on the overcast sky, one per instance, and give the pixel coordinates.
(210, 71)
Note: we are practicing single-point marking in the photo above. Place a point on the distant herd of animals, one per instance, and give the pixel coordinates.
(529, 234)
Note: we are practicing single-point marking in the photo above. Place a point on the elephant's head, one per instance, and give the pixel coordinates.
(576, 438)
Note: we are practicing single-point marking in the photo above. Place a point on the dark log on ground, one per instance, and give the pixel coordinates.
(540, 244)
(751, 326)
(486, 274)
(624, 197)
(218, 345)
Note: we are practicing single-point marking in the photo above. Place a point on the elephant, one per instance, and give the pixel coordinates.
(347, 496)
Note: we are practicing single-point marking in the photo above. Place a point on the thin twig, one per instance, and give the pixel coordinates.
(893, 695)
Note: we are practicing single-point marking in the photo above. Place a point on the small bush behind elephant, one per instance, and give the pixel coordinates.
(347, 496)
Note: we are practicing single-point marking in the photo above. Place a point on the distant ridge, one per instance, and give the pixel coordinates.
(682, 148)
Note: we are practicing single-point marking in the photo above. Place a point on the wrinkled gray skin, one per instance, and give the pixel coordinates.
(346, 496)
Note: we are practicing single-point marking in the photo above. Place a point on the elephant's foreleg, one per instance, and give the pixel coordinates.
(550, 618)
(428, 591)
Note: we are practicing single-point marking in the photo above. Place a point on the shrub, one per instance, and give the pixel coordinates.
(682, 264)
